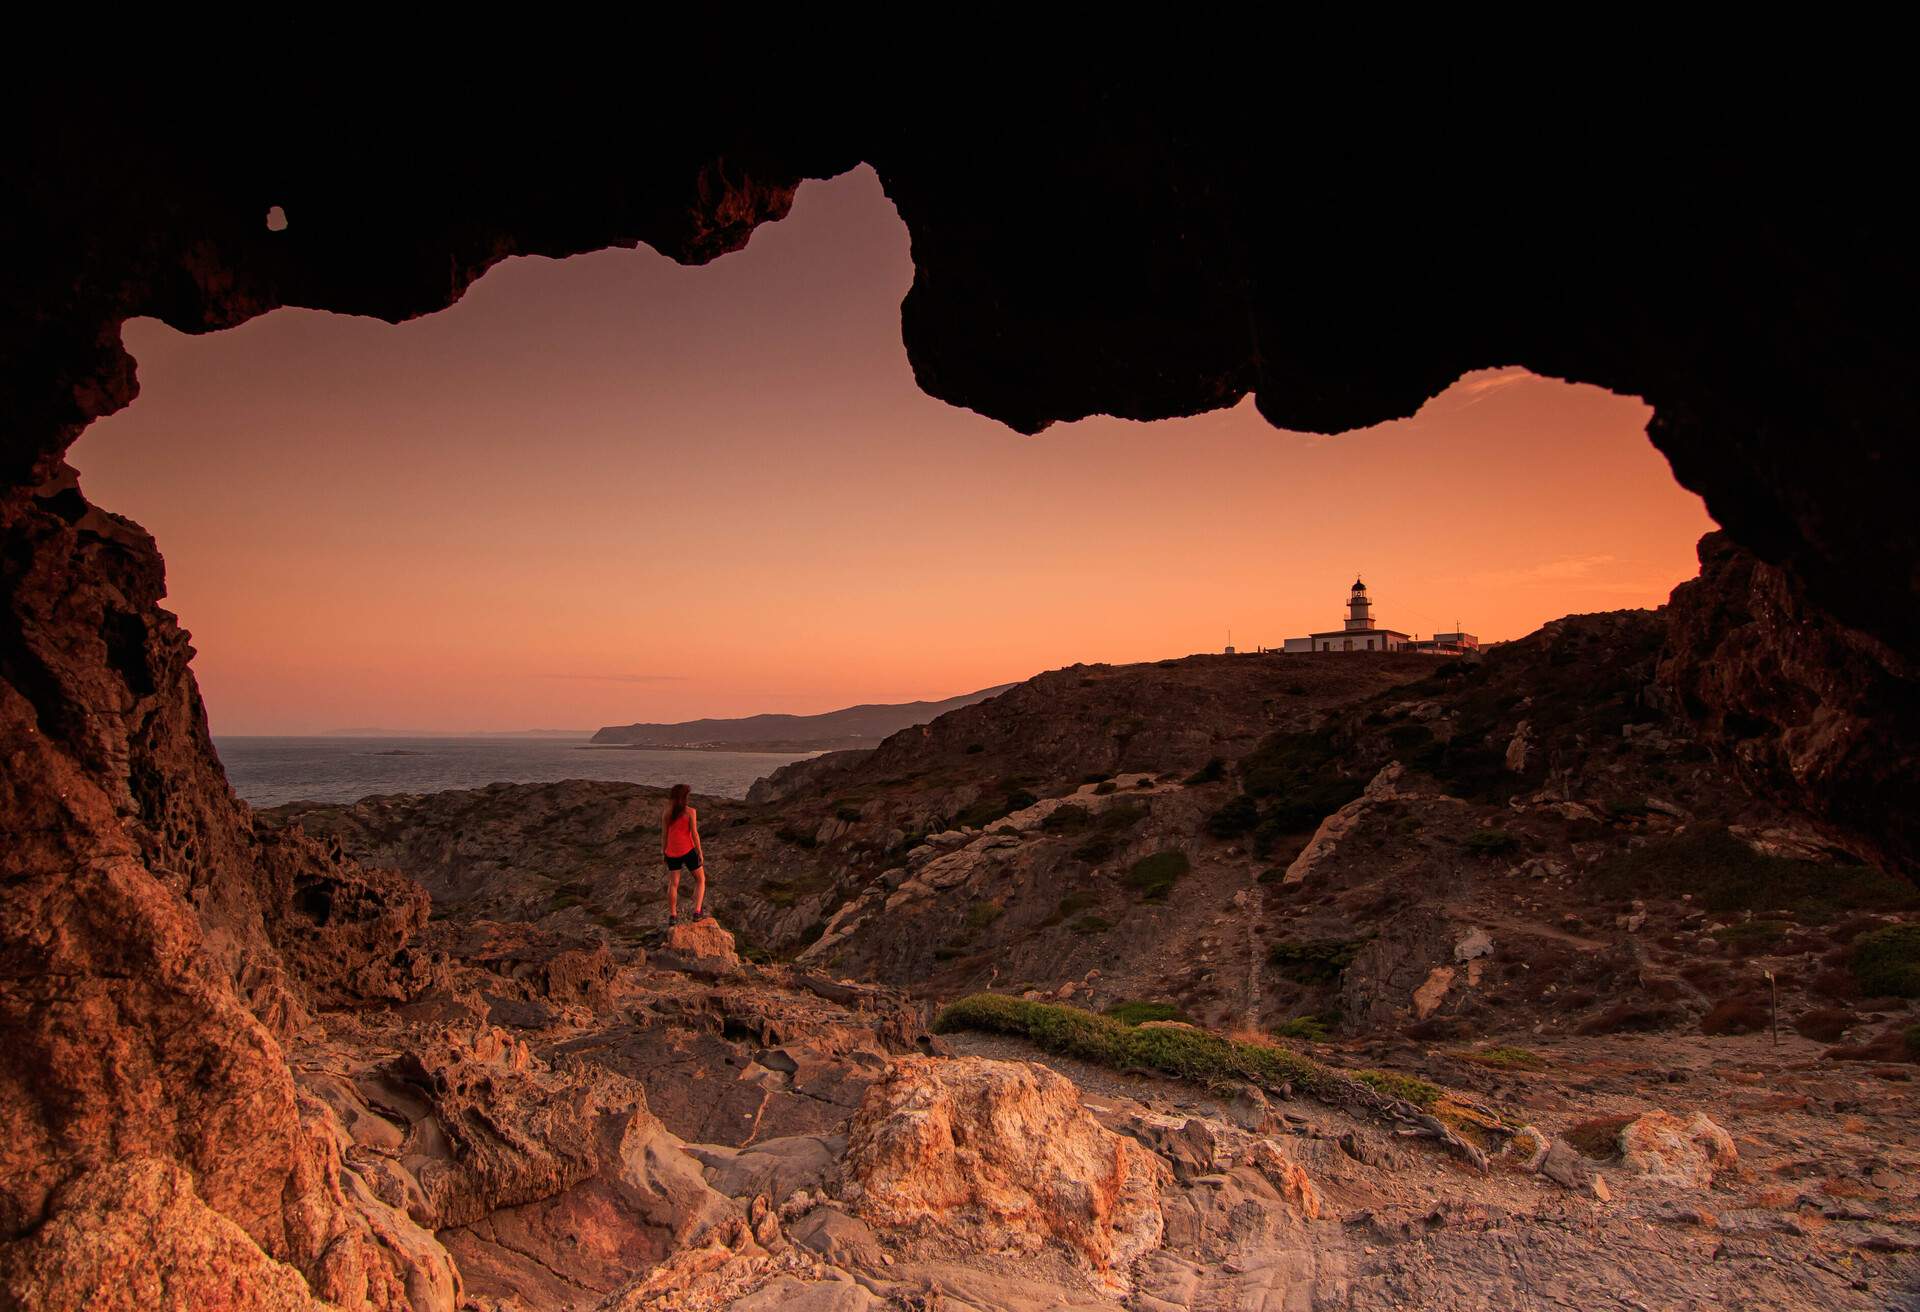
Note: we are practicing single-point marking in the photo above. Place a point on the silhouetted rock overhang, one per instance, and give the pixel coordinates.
(1144, 248)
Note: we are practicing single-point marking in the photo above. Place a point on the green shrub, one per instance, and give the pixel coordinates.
(1313, 1029)
(988, 809)
(1404, 1087)
(1152, 877)
(1317, 961)
(1189, 1054)
(1283, 761)
(1090, 925)
(1237, 817)
(1490, 842)
(1070, 818)
(1097, 848)
(1212, 772)
(1753, 936)
(1723, 874)
(981, 914)
(1505, 1059)
(1076, 902)
(1887, 961)
(1105, 788)
(786, 892)
(1132, 1013)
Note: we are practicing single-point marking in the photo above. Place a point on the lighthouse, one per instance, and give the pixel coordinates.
(1357, 632)
(1359, 609)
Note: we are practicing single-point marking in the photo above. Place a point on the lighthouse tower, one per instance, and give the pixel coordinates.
(1358, 632)
(1359, 609)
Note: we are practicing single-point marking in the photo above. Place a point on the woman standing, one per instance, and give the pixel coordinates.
(680, 845)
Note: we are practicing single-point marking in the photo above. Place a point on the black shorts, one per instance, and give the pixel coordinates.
(686, 861)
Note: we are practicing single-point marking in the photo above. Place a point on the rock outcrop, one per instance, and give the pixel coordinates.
(703, 945)
(134, 1237)
(1819, 715)
(158, 956)
(1669, 1149)
(996, 1154)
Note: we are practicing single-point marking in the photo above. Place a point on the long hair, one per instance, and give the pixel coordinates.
(677, 801)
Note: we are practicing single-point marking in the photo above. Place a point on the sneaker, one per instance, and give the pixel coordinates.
(672, 920)
(703, 915)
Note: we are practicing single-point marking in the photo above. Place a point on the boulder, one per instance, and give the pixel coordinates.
(1670, 1150)
(702, 947)
(995, 1154)
(135, 1236)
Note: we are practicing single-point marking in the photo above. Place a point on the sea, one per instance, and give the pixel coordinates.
(272, 771)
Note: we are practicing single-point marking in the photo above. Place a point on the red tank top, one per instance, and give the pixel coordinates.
(680, 834)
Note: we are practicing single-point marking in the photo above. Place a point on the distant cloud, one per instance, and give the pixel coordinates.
(1596, 573)
(1547, 571)
(621, 678)
(1476, 388)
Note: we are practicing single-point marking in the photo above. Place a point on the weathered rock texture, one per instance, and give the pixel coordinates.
(1671, 1150)
(999, 1154)
(1075, 253)
(1820, 715)
(157, 954)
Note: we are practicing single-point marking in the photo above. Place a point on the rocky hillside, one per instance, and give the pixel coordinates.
(1364, 1055)
(1341, 850)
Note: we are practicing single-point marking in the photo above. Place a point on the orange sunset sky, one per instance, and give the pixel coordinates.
(610, 489)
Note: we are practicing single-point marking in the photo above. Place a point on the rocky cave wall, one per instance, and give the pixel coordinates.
(1141, 253)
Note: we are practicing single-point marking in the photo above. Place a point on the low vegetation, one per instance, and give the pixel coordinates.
(1752, 937)
(1237, 817)
(1314, 961)
(996, 806)
(1311, 1029)
(1212, 772)
(1067, 819)
(1133, 1013)
(1505, 1059)
(1153, 877)
(1189, 1054)
(981, 914)
(1723, 874)
(786, 892)
(1073, 904)
(1490, 842)
(1295, 780)
(1887, 962)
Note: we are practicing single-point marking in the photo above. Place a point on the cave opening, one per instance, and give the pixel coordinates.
(205, 1007)
(611, 487)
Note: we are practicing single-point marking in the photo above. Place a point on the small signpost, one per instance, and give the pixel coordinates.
(1773, 1005)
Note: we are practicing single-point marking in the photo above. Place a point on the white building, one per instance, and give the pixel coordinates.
(1359, 633)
